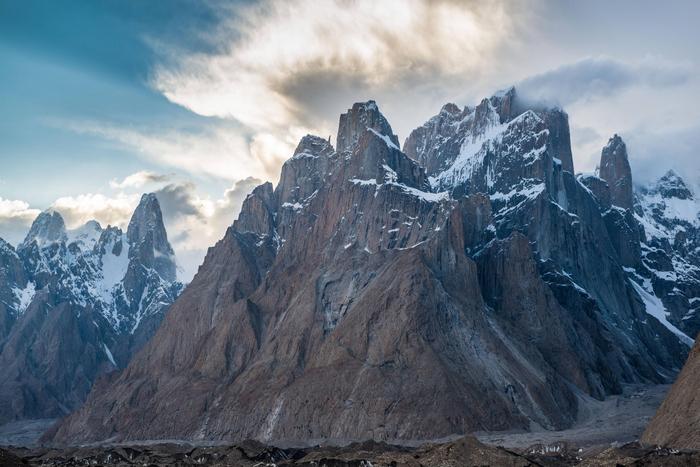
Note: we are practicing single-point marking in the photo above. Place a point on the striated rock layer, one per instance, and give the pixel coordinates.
(473, 285)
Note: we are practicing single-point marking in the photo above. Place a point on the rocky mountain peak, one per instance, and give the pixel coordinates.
(359, 118)
(615, 169)
(110, 241)
(671, 185)
(451, 109)
(47, 228)
(257, 211)
(311, 145)
(474, 266)
(148, 239)
(505, 103)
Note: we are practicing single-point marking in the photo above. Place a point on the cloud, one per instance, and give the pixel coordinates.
(218, 150)
(15, 218)
(594, 78)
(284, 69)
(653, 153)
(270, 45)
(77, 210)
(195, 223)
(139, 179)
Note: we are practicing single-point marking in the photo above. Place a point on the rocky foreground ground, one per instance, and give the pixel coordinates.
(465, 451)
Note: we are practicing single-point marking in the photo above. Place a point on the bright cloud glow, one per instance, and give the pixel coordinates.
(77, 210)
(15, 218)
(269, 45)
(139, 179)
(16, 209)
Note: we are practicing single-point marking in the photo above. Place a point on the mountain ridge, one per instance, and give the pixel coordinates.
(366, 296)
(84, 301)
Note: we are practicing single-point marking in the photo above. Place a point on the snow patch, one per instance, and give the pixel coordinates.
(385, 138)
(24, 296)
(109, 354)
(656, 308)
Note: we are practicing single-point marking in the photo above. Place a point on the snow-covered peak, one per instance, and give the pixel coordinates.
(671, 185)
(85, 236)
(668, 206)
(46, 229)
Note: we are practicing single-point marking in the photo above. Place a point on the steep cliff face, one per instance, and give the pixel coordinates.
(376, 295)
(15, 289)
(615, 169)
(77, 305)
(677, 420)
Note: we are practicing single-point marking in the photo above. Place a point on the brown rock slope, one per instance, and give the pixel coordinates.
(354, 301)
(677, 422)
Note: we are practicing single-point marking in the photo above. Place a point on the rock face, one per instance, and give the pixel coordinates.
(473, 285)
(677, 420)
(668, 213)
(615, 170)
(76, 305)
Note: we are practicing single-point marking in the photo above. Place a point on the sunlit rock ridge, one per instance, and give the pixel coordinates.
(469, 281)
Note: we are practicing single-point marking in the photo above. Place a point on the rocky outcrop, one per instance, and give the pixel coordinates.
(76, 305)
(615, 170)
(148, 241)
(15, 289)
(677, 420)
(370, 295)
(357, 120)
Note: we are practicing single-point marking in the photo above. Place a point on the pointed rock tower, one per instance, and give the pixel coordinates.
(615, 169)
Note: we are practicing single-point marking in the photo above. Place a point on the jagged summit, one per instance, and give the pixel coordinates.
(671, 185)
(148, 239)
(75, 304)
(473, 265)
(615, 169)
(86, 236)
(360, 117)
(47, 228)
(453, 145)
(146, 224)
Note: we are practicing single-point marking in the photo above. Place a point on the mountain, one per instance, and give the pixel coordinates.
(669, 214)
(77, 304)
(469, 281)
(676, 421)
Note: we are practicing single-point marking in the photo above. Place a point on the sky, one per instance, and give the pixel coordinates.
(200, 101)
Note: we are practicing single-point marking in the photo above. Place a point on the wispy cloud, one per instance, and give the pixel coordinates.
(283, 69)
(217, 151)
(599, 77)
(139, 179)
(196, 222)
(271, 44)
